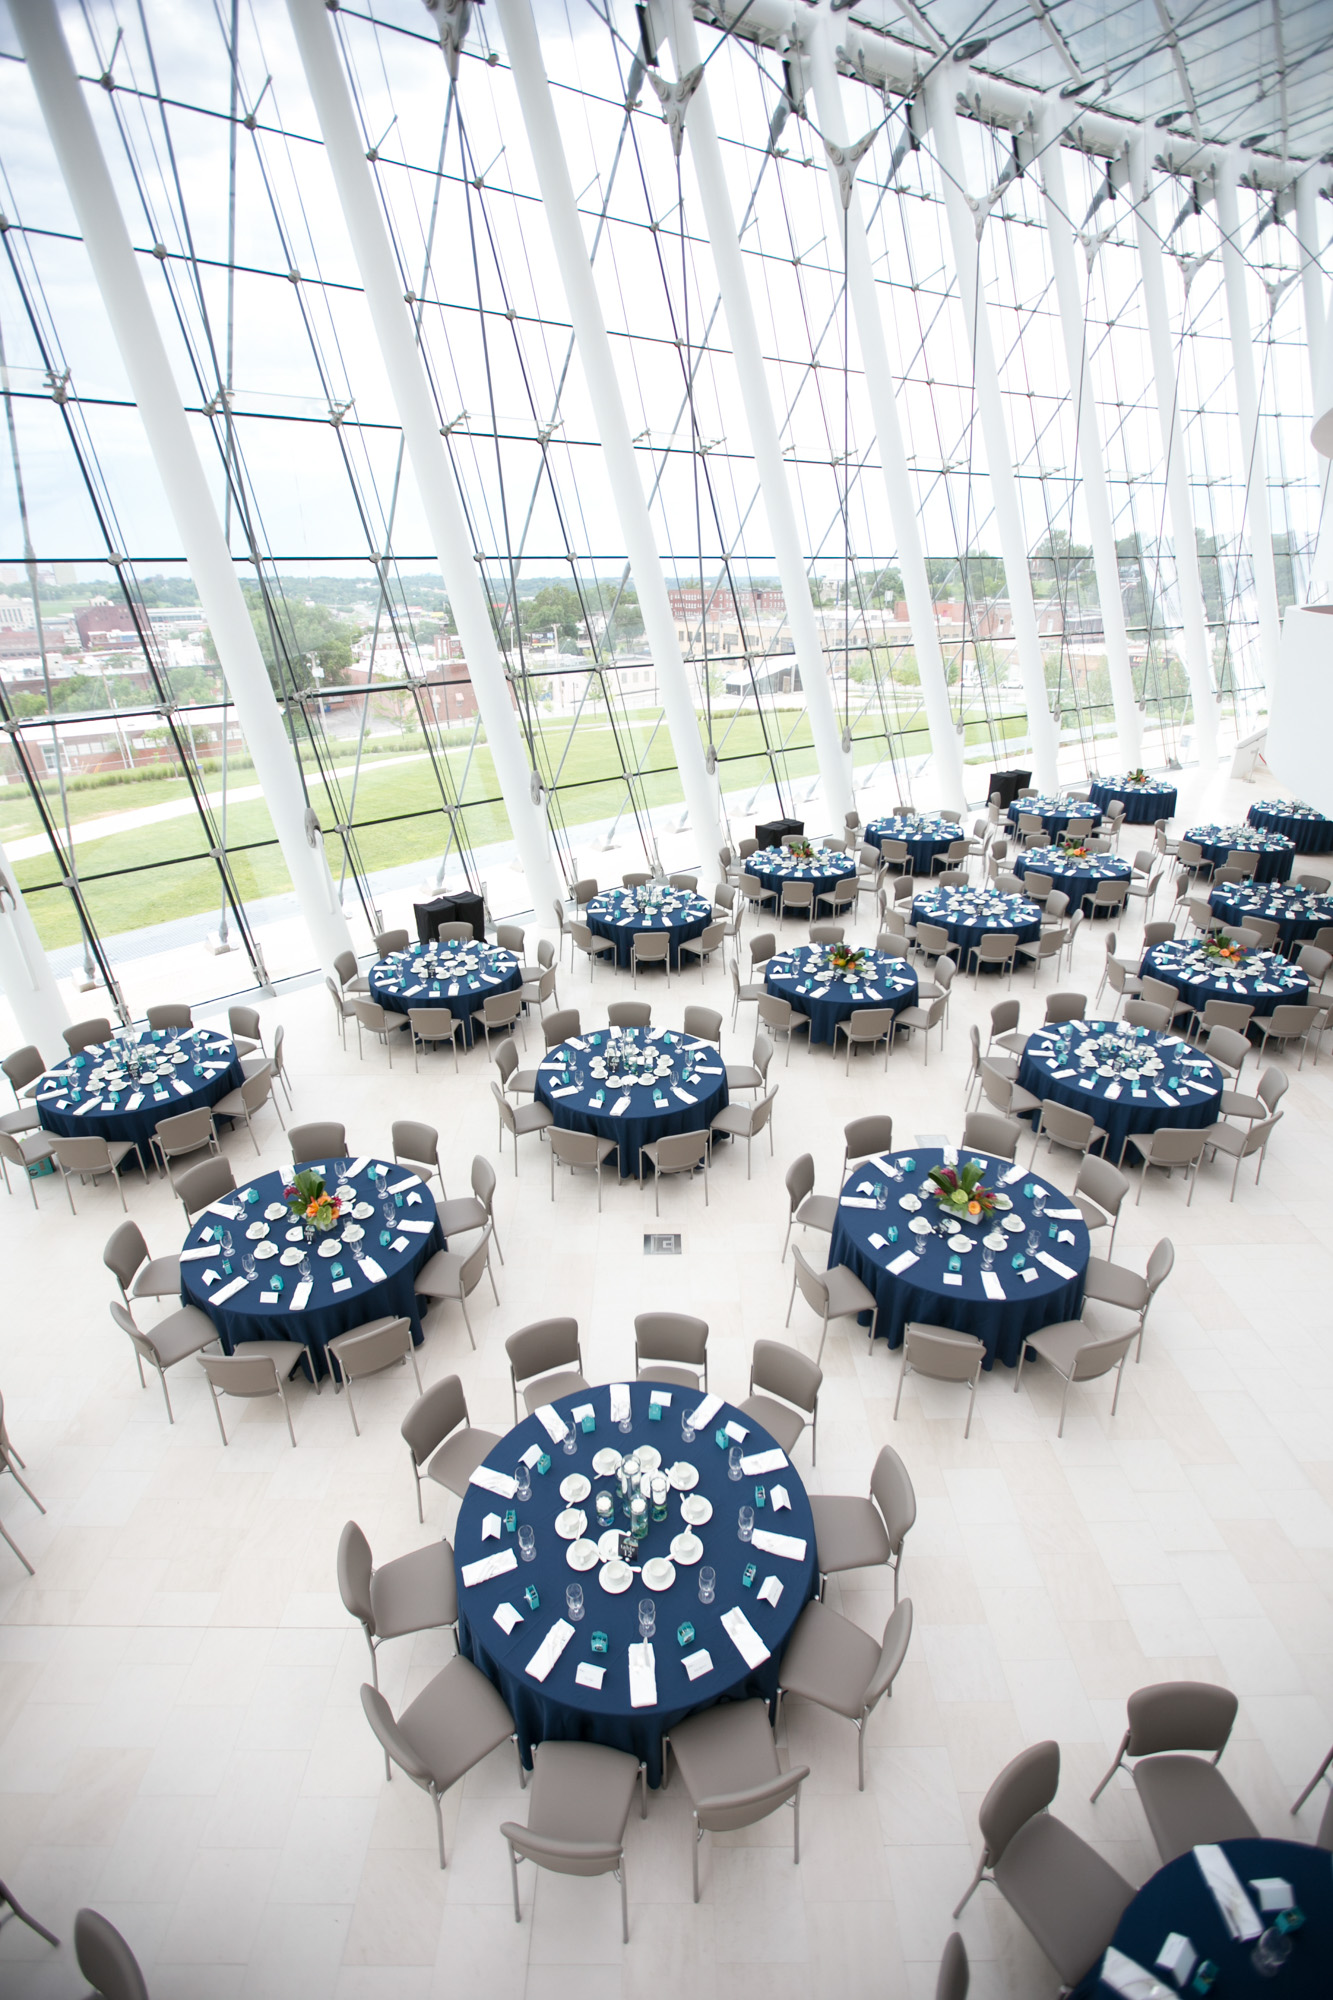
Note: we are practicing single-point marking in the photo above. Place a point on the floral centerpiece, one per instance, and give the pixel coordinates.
(1138, 777)
(1222, 951)
(1075, 852)
(960, 1193)
(845, 959)
(800, 850)
(310, 1203)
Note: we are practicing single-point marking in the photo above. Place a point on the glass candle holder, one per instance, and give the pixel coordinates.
(660, 1490)
(638, 1517)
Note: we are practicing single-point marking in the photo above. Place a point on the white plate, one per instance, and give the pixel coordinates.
(616, 1577)
(684, 1476)
(911, 1203)
(686, 1548)
(257, 1231)
(1014, 1224)
(575, 1488)
(920, 1227)
(649, 1457)
(266, 1249)
(288, 1256)
(606, 1462)
(274, 1212)
(695, 1509)
(1002, 1200)
(352, 1232)
(995, 1240)
(330, 1247)
(581, 1554)
(608, 1544)
(363, 1211)
(961, 1243)
(296, 1235)
(658, 1574)
(571, 1524)
(345, 1193)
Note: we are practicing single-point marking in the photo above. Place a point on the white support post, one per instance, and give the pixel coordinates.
(945, 734)
(143, 352)
(835, 764)
(1060, 232)
(941, 86)
(1253, 457)
(1319, 339)
(417, 414)
(622, 471)
(1186, 548)
(25, 972)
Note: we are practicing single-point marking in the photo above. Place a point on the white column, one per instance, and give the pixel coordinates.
(1253, 457)
(154, 388)
(1186, 549)
(417, 414)
(835, 765)
(1010, 532)
(622, 471)
(1091, 462)
(1319, 339)
(25, 972)
(945, 736)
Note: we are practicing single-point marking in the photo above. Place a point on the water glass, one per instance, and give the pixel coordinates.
(1033, 1243)
(707, 1584)
(527, 1542)
(1039, 1202)
(626, 1425)
(569, 1443)
(987, 1257)
(574, 1600)
(734, 1462)
(647, 1617)
(1271, 1951)
(522, 1482)
(248, 1264)
(228, 1247)
(304, 1268)
(686, 1430)
(745, 1523)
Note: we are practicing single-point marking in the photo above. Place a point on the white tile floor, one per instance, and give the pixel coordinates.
(183, 1745)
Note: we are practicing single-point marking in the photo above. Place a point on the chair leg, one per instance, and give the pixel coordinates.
(1313, 1782)
(1119, 1759)
(217, 1410)
(31, 1572)
(902, 1377)
(1064, 1405)
(347, 1384)
(162, 1378)
(624, 1899)
(977, 1879)
(24, 1918)
(971, 1404)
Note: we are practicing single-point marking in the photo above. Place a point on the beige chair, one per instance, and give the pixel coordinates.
(578, 1808)
(417, 1146)
(865, 1029)
(1186, 1800)
(1004, 1019)
(1227, 1047)
(455, 1721)
(593, 948)
(709, 940)
(579, 1151)
(704, 1023)
(1000, 1090)
(1232, 1014)
(323, 1140)
(754, 1074)
(475, 1210)
(349, 978)
(344, 1009)
(25, 1069)
(139, 1275)
(1107, 898)
(86, 1034)
(831, 1661)
(671, 1347)
(1169, 1147)
(622, 1014)
(744, 1121)
(198, 1187)
(1242, 1145)
(93, 1157)
(501, 1013)
(833, 1294)
(1077, 1354)
(754, 894)
(650, 948)
(788, 1394)
(22, 1150)
(441, 1438)
(366, 1350)
(852, 1532)
(1063, 1125)
(253, 1095)
(246, 1029)
(546, 1362)
(1148, 1014)
(779, 1017)
(511, 937)
(1269, 1092)
(728, 1761)
(170, 1014)
(428, 1027)
(1099, 1191)
(455, 934)
(104, 1958)
(559, 1027)
(983, 1132)
(1050, 944)
(257, 1368)
(676, 1153)
(1115, 1285)
(1161, 993)
(277, 1063)
(841, 897)
(413, 1593)
(797, 899)
(953, 1978)
(519, 1119)
(1290, 1024)
(1059, 1887)
(753, 989)
(543, 986)
(925, 1017)
(944, 1356)
(520, 1082)
(997, 948)
(811, 1210)
(451, 1275)
(10, 1462)
(1061, 1007)
(638, 878)
(932, 941)
(188, 1133)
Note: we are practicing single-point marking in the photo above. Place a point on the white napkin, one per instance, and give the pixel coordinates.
(619, 1108)
(568, 1090)
(858, 1201)
(780, 1498)
(552, 1646)
(493, 1482)
(401, 1187)
(1238, 1911)
(764, 1461)
(1054, 1264)
(1123, 1975)
(698, 1663)
(229, 1291)
(703, 1416)
(487, 1567)
(744, 1637)
(769, 1591)
(903, 1262)
(490, 1528)
(683, 1095)
(1014, 1174)
(642, 1676)
(418, 1228)
(991, 1286)
(552, 1423)
(358, 1166)
(200, 1250)
(792, 1546)
(226, 1208)
(1065, 1214)
(375, 1272)
(619, 1402)
(586, 1675)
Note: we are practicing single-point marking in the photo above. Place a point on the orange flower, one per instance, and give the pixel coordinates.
(974, 1208)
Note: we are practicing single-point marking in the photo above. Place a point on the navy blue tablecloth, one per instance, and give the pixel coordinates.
(1144, 804)
(1273, 855)
(1054, 814)
(1065, 1064)
(1263, 980)
(924, 838)
(968, 915)
(461, 977)
(1178, 1899)
(189, 1068)
(619, 913)
(799, 976)
(589, 1060)
(1308, 831)
(558, 1709)
(920, 1291)
(773, 866)
(246, 1317)
(1076, 878)
(1298, 913)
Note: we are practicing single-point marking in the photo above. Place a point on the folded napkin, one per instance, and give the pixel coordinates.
(683, 1095)
(490, 1528)
(418, 1228)
(903, 1262)
(1014, 1174)
(300, 1297)
(792, 1546)
(229, 1291)
(358, 1166)
(134, 1100)
(764, 1461)
(493, 1482)
(586, 1675)
(703, 1416)
(991, 1286)
(619, 1402)
(780, 1498)
(642, 1676)
(552, 1423)
(744, 1637)
(1054, 1264)
(1124, 1976)
(487, 1567)
(567, 1090)
(374, 1271)
(619, 1108)
(698, 1663)
(769, 1591)
(1065, 1214)
(399, 1243)
(1238, 1911)
(226, 1208)
(200, 1250)
(552, 1646)
(858, 1201)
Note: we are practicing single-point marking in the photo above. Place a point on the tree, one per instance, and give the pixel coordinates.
(555, 608)
(308, 636)
(625, 620)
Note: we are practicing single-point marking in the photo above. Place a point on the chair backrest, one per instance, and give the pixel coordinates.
(1066, 1125)
(1160, 993)
(506, 1059)
(771, 1007)
(585, 889)
(761, 1112)
(83, 1034)
(1024, 1788)
(322, 1139)
(391, 1738)
(812, 1285)
(241, 1374)
(933, 937)
(800, 1180)
(703, 1022)
(470, 1272)
(413, 1141)
(1225, 1045)
(575, 1149)
(511, 937)
(366, 1353)
(1037, 887)
(895, 1496)
(669, 1336)
(345, 966)
(941, 1353)
(390, 941)
(1175, 1145)
(1056, 903)
(483, 1180)
(355, 1567)
(1272, 1086)
(435, 1413)
(828, 933)
(185, 1132)
(1004, 1017)
(546, 954)
(337, 996)
(688, 882)
(498, 1009)
(257, 1088)
(105, 1960)
(1290, 1020)
(999, 945)
(864, 1136)
(892, 1652)
(244, 1021)
(1147, 1014)
(125, 1253)
(1161, 1263)
(983, 1132)
(678, 1151)
(1233, 1014)
(1102, 1183)
(505, 1109)
(762, 947)
(1065, 1007)
(1157, 933)
(560, 1026)
(23, 1066)
(170, 1014)
(1099, 1357)
(197, 1186)
(892, 943)
(546, 1344)
(1310, 959)
(629, 1014)
(781, 1371)
(428, 1024)
(1180, 1715)
(651, 945)
(997, 1089)
(953, 1977)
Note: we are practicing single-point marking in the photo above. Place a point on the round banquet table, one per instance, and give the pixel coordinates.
(1054, 814)
(619, 913)
(688, 1076)
(775, 865)
(968, 915)
(805, 977)
(180, 1070)
(925, 1289)
(1299, 914)
(1308, 831)
(558, 1708)
(1261, 980)
(457, 975)
(924, 838)
(1177, 1898)
(1127, 1079)
(250, 1314)
(1076, 876)
(1144, 803)
(1273, 855)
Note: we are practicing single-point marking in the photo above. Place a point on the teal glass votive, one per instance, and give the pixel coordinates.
(278, 1282)
(1205, 1974)
(721, 1440)
(1028, 1190)
(1288, 1920)
(385, 1239)
(511, 1521)
(748, 1575)
(760, 1497)
(544, 1462)
(955, 1263)
(654, 1416)
(531, 1598)
(892, 1232)
(909, 1165)
(587, 1423)
(335, 1270)
(598, 1642)
(1018, 1260)
(684, 1634)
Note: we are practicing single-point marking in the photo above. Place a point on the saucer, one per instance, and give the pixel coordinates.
(581, 1554)
(608, 1545)
(696, 1510)
(575, 1488)
(288, 1256)
(352, 1232)
(266, 1249)
(257, 1231)
(686, 1548)
(649, 1457)
(330, 1248)
(684, 1476)
(363, 1211)
(296, 1235)
(274, 1212)
(570, 1525)
(616, 1577)
(658, 1574)
(961, 1243)
(920, 1227)
(606, 1462)
(1014, 1224)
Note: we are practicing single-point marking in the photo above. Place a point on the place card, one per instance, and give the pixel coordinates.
(769, 1591)
(490, 1528)
(737, 1433)
(586, 1675)
(780, 1498)
(399, 1243)
(269, 1298)
(697, 1664)
(661, 1396)
(951, 1277)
